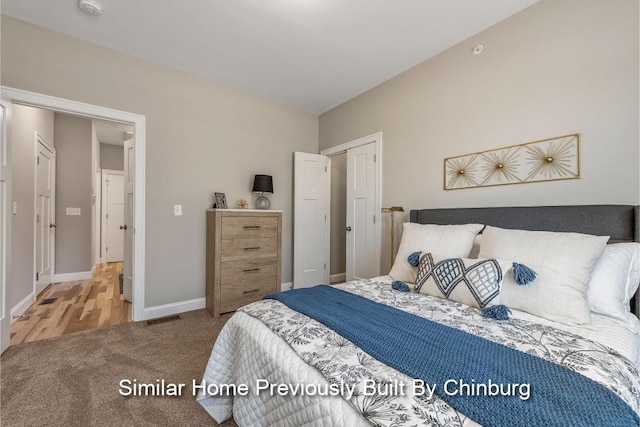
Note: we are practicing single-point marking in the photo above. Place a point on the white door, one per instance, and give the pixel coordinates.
(361, 214)
(127, 225)
(310, 212)
(5, 221)
(113, 215)
(45, 212)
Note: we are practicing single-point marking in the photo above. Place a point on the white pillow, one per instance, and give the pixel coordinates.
(563, 261)
(615, 279)
(449, 241)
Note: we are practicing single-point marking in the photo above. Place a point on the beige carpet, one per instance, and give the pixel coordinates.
(74, 380)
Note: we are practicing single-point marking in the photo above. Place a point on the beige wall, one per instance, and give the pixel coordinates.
(201, 137)
(338, 213)
(112, 157)
(73, 190)
(557, 67)
(26, 121)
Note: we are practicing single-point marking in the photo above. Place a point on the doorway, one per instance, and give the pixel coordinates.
(81, 294)
(15, 96)
(313, 222)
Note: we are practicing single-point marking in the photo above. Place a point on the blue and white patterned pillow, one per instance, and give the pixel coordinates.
(475, 282)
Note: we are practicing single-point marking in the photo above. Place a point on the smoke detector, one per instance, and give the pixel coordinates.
(90, 7)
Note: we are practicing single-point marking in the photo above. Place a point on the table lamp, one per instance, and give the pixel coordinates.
(263, 184)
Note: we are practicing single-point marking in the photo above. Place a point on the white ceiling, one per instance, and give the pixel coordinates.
(311, 54)
(110, 132)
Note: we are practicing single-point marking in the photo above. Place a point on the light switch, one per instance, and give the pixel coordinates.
(15, 208)
(73, 211)
(177, 210)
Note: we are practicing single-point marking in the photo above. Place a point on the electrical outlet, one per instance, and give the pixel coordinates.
(177, 210)
(73, 211)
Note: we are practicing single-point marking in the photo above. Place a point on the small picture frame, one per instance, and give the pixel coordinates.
(220, 201)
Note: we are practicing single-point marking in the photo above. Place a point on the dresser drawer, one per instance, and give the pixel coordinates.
(239, 249)
(259, 270)
(235, 295)
(244, 257)
(244, 227)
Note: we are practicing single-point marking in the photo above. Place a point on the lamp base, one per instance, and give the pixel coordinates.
(262, 203)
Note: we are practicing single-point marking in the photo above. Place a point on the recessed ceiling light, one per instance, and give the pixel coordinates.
(90, 7)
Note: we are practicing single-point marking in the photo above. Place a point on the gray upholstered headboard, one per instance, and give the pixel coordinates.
(618, 221)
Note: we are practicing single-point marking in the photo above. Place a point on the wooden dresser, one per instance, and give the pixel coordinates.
(244, 257)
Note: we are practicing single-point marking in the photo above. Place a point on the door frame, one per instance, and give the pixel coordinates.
(6, 211)
(103, 206)
(39, 139)
(32, 99)
(376, 139)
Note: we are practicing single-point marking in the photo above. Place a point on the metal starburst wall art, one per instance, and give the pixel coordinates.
(544, 160)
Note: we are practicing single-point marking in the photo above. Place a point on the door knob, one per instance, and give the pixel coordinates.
(52, 226)
(348, 228)
(123, 227)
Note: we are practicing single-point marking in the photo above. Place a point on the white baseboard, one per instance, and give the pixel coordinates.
(93, 269)
(70, 277)
(338, 278)
(165, 310)
(22, 306)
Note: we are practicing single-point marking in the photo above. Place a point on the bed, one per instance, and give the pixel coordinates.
(295, 370)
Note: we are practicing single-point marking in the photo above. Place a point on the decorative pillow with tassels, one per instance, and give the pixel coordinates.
(564, 262)
(475, 282)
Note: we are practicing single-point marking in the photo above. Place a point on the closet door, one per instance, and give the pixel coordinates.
(310, 226)
(361, 192)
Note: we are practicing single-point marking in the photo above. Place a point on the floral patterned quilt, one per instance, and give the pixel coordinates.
(342, 363)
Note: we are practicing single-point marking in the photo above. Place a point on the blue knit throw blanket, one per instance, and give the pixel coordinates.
(435, 353)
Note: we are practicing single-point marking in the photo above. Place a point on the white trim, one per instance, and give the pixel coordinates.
(138, 121)
(93, 269)
(103, 209)
(22, 306)
(376, 139)
(247, 210)
(327, 222)
(342, 148)
(339, 277)
(71, 277)
(5, 220)
(170, 309)
(165, 310)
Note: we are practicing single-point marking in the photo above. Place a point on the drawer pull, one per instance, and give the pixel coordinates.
(248, 270)
(251, 249)
(252, 227)
(251, 291)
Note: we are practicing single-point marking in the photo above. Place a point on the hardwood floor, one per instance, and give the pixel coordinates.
(79, 305)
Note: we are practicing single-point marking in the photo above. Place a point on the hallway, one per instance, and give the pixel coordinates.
(76, 306)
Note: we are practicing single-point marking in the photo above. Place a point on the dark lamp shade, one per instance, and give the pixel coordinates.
(263, 184)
